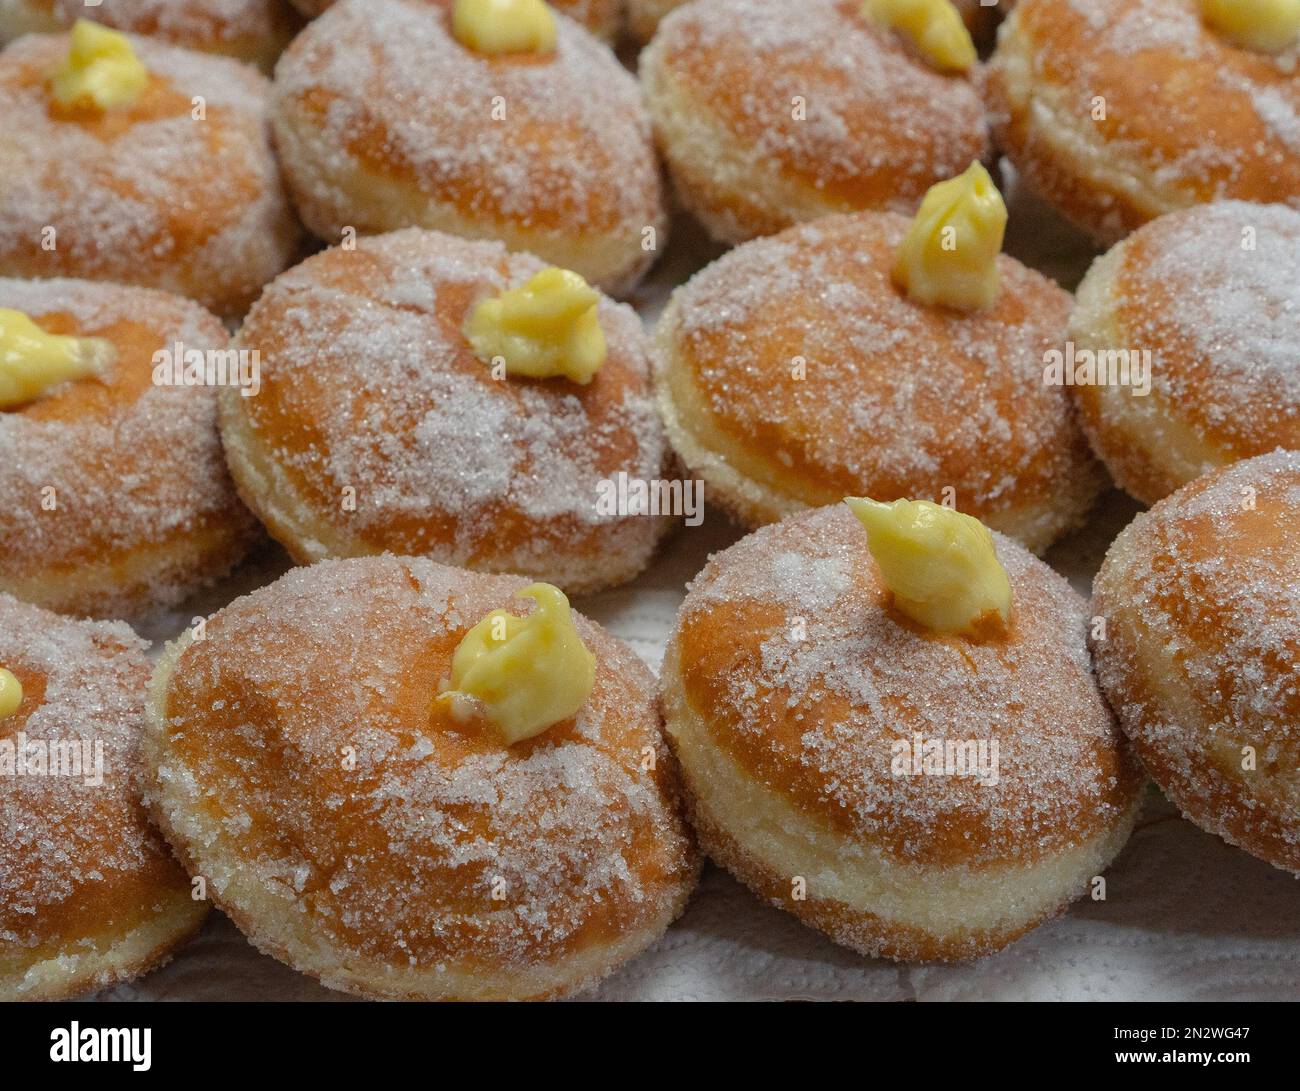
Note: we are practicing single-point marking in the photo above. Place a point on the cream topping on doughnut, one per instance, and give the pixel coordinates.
(826, 680)
(163, 440)
(1222, 320)
(385, 325)
(398, 85)
(62, 835)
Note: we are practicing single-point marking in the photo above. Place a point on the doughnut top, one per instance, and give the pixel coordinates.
(109, 183)
(1222, 321)
(880, 124)
(900, 399)
(369, 381)
(389, 83)
(1208, 118)
(195, 23)
(129, 462)
(1217, 583)
(79, 860)
(395, 854)
(800, 670)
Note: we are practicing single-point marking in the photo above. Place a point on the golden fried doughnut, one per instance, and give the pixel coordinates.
(144, 194)
(769, 115)
(1189, 117)
(788, 681)
(1201, 650)
(248, 30)
(644, 16)
(899, 399)
(89, 893)
(1212, 293)
(378, 429)
(602, 17)
(354, 829)
(115, 493)
(384, 120)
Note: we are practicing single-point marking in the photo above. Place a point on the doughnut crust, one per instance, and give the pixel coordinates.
(1190, 117)
(356, 831)
(787, 681)
(383, 120)
(602, 17)
(116, 496)
(147, 194)
(89, 893)
(248, 30)
(1213, 294)
(1201, 597)
(769, 116)
(792, 372)
(369, 385)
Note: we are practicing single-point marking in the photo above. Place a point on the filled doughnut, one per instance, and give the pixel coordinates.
(134, 161)
(796, 369)
(603, 18)
(1187, 339)
(644, 16)
(1118, 111)
(408, 782)
(429, 395)
(90, 895)
(769, 115)
(249, 30)
(116, 496)
(890, 728)
(487, 121)
(1201, 650)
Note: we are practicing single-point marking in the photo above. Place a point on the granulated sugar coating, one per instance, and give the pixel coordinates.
(81, 867)
(355, 829)
(220, 26)
(794, 363)
(369, 384)
(383, 119)
(1201, 658)
(1120, 110)
(115, 491)
(148, 194)
(768, 116)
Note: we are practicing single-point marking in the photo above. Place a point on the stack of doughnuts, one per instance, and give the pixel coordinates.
(345, 278)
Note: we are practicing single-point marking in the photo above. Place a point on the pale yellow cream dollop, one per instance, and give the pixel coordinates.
(100, 72)
(33, 362)
(939, 564)
(934, 27)
(525, 673)
(504, 26)
(1268, 26)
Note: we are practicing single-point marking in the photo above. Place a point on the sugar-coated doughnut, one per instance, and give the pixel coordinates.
(354, 829)
(383, 120)
(792, 372)
(115, 493)
(89, 893)
(788, 683)
(1117, 111)
(249, 30)
(146, 194)
(644, 16)
(1212, 294)
(377, 428)
(769, 115)
(602, 17)
(1201, 650)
